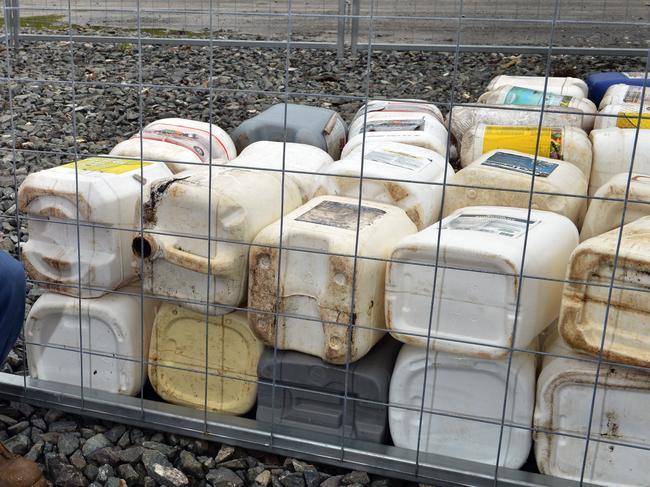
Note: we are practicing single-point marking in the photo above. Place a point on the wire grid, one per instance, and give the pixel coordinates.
(340, 448)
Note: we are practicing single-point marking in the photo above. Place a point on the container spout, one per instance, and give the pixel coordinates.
(145, 246)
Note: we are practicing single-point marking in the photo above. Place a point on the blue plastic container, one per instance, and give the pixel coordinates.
(599, 82)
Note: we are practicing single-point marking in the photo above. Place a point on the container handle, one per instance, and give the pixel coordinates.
(219, 265)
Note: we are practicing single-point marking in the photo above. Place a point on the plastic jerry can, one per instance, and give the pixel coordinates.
(320, 127)
(568, 144)
(606, 209)
(624, 116)
(480, 256)
(108, 191)
(558, 85)
(613, 149)
(620, 410)
(113, 339)
(598, 83)
(503, 178)
(309, 393)
(176, 213)
(318, 275)
(413, 128)
(620, 94)
(463, 405)
(516, 95)
(463, 117)
(400, 106)
(177, 362)
(585, 297)
(393, 163)
(296, 157)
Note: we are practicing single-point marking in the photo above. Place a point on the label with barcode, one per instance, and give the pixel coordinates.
(521, 164)
(503, 225)
(399, 159)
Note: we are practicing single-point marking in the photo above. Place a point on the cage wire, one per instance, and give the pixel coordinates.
(443, 36)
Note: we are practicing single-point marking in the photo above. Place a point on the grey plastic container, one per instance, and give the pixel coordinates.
(320, 127)
(319, 409)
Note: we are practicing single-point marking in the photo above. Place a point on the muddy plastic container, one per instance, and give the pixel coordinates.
(585, 298)
(176, 255)
(177, 361)
(112, 338)
(599, 83)
(613, 149)
(296, 157)
(567, 144)
(109, 189)
(564, 397)
(320, 127)
(309, 393)
(558, 85)
(480, 257)
(623, 93)
(317, 275)
(624, 116)
(400, 106)
(472, 388)
(559, 185)
(394, 163)
(177, 140)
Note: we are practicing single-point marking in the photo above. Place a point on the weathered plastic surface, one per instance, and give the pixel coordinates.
(582, 317)
(613, 149)
(623, 93)
(176, 259)
(568, 144)
(109, 189)
(515, 95)
(463, 117)
(599, 83)
(112, 338)
(296, 157)
(320, 127)
(393, 163)
(317, 277)
(559, 186)
(624, 115)
(400, 106)
(480, 256)
(564, 397)
(177, 141)
(558, 85)
(309, 393)
(606, 210)
(177, 359)
(468, 387)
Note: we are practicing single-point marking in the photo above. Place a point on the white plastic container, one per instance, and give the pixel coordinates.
(419, 129)
(179, 140)
(559, 85)
(605, 214)
(568, 144)
(112, 340)
(296, 157)
(177, 361)
(624, 116)
(564, 397)
(176, 257)
(481, 250)
(472, 389)
(621, 93)
(515, 95)
(421, 200)
(317, 285)
(503, 178)
(613, 149)
(108, 191)
(585, 297)
(400, 106)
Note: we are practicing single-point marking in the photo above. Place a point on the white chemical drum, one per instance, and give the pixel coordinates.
(558, 85)
(624, 116)
(400, 106)
(622, 93)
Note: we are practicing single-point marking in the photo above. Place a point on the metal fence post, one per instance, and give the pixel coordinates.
(12, 20)
(340, 35)
(354, 32)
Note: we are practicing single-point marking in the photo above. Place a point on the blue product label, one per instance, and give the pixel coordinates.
(526, 96)
(522, 164)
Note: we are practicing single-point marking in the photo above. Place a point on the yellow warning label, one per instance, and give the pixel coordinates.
(106, 165)
(630, 120)
(524, 139)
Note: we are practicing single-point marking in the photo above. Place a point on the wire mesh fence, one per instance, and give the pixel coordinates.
(391, 302)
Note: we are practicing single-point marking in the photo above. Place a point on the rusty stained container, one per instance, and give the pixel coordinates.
(176, 209)
(108, 190)
(565, 389)
(317, 277)
(585, 297)
(177, 359)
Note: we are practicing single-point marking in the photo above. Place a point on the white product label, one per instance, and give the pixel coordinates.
(395, 125)
(634, 75)
(399, 159)
(399, 106)
(522, 164)
(633, 94)
(341, 215)
(503, 225)
(193, 139)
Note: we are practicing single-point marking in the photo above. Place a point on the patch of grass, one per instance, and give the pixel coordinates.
(40, 22)
(176, 33)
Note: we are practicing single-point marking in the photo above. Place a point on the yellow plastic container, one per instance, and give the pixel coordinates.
(177, 359)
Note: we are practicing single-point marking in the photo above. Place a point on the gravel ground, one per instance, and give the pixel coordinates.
(104, 103)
